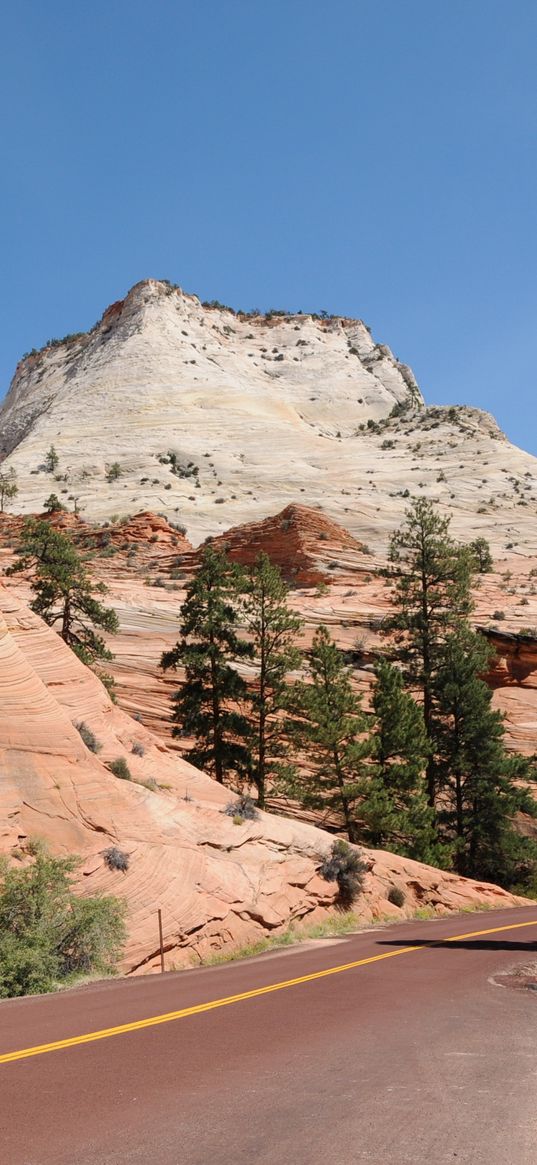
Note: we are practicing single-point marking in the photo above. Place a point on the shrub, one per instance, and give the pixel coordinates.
(120, 768)
(116, 859)
(138, 748)
(88, 737)
(344, 866)
(53, 505)
(47, 932)
(396, 896)
(498, 615)
(244, 807)
(114, 471)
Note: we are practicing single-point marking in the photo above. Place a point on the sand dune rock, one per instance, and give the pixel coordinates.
(301, 541)
(257, 412)
(219, 885)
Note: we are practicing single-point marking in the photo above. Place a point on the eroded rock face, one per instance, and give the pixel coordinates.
(218, 884)
(300, 541)
(258, 413)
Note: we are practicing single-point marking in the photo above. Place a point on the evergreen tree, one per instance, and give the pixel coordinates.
(327, 732)
(208, 706)
(53, 505)
(64, 592)
(394, 809)
(51, 460)
(479, 792)
(273, 629)
(432, 578)
(483, 561)
(8, 488)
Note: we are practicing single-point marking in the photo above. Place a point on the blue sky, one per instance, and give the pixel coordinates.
(374, 158)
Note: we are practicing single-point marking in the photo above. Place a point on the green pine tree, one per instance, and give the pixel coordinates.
(394, 809)
(209, 704)
(51, 460)
(273, 629)
(327, 731)
(8, 488)
(65, 595)
(431, 577)
(480, 795)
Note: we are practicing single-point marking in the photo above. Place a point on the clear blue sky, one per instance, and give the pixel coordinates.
(372, 157)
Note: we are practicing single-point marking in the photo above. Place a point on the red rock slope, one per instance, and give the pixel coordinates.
(300, 540)
(219, 885)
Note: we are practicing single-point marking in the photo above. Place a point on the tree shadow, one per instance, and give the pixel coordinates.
(468, 944)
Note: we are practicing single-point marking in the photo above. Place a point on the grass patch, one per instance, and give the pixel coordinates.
(334, 926)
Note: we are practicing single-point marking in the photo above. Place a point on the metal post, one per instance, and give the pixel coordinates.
(161, 941)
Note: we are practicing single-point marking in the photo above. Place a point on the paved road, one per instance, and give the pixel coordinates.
(409, 1058)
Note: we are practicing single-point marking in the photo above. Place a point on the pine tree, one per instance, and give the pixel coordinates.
(479, 794)
(64, 592)
(51, 460)
(53, 505)
(483, 561)
(432, 578)
(394, 809)
(328, 734)
(208, 706)
(273, 629)
(8, 488)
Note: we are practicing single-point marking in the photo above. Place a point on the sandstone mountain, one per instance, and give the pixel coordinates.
(291, 434)
(216, 419)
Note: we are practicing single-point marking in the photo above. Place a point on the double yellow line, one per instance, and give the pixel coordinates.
(199, 1008)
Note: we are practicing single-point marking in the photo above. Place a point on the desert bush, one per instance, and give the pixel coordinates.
(244, 807)
(116, 859)
(114, 471)
(88, 737)
(498, 615)
(138, 748)
(120, 768)
(47, 932)
(344, 866)
(396, 896)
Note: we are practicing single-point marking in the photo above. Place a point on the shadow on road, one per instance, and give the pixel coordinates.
(469, 944)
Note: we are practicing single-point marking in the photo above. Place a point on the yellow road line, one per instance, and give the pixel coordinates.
(198, 1008)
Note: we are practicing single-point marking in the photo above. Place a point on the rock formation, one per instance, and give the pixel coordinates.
(217, 419)
(218, 884)
(290, 434)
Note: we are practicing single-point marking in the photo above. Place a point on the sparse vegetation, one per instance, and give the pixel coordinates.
(116, 859)
(88, 737)
(344, 866)
(120, 768)
(244, 807)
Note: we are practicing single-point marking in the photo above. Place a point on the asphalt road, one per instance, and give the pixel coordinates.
(413, 1057)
